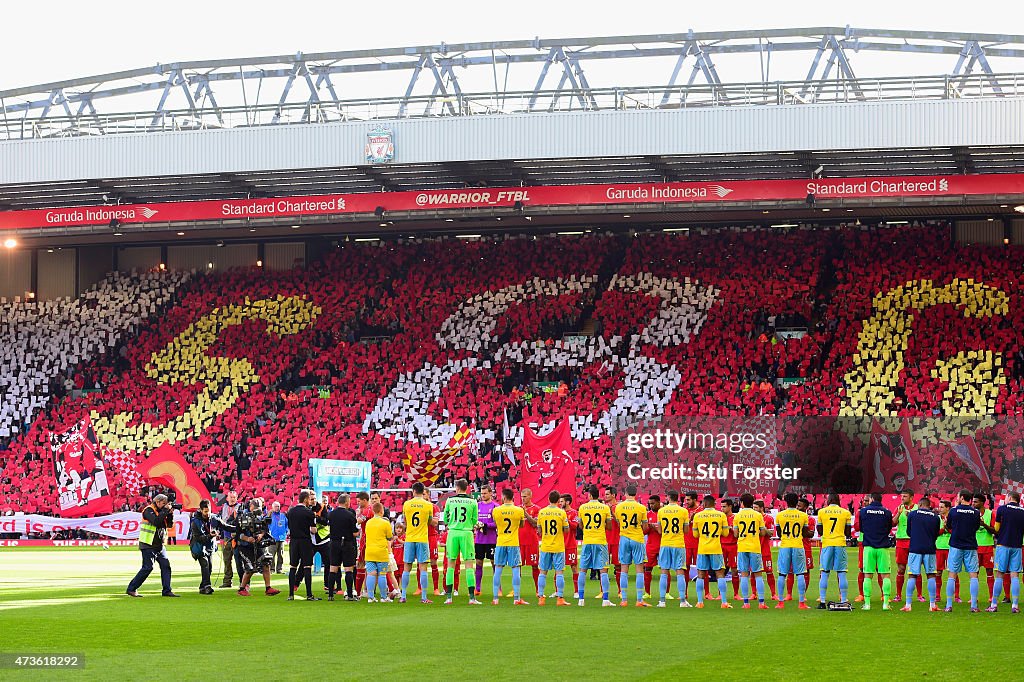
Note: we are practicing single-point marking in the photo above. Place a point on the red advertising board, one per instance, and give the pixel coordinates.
(508, 197)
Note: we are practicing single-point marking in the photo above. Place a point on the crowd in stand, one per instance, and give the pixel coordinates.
(377, 352)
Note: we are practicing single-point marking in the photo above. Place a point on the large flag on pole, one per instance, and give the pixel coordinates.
(547, 462)
(966, 451)
(166, 466)
(82, 488)
(430, 468)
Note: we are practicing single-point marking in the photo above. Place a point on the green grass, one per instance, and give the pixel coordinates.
(64, 601)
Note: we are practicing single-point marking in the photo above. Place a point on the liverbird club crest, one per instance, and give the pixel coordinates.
(380, 146)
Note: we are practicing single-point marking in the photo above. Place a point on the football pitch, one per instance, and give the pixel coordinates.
(71, 601)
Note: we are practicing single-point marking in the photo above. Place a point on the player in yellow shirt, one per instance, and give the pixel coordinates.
(750, 528)
(631, 517)
(709, 529)
(419, 517)
(792, 525)
(835, 523)
(378, 553)
(552, 522)
(673, 521)
(594, 517)
(508, 519)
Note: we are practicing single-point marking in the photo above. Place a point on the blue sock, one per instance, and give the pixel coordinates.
(822, 585)
(581, 583)
(662, 586)
(559, 584)
(496, 583)
(911, 582)
(780, 586)
(760, 588)
(801, 586)
(542, 581)
(423, 584)
(950, 588)
(745, 588)
(844, 586)
(639, 583)
(405, 583)
(700, 590)
(605, 586)
(1014, 590)
(974, 593)
(932, 586)
(517, 581)
(681, 587)
(382, 585)
(623, 584)
(997, 589)
(723, 589)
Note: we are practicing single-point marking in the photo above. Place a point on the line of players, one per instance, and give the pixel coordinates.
(720, 540)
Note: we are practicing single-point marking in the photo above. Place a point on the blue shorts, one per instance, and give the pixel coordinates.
(792, 561)
(710, 562)
(632, 552)
(961, 560)
(507, 556)
(378, 567)
(417, 553)
(672, 558)
(749, 562)
(920, 562)
(552, 561)
(1008, 559)
(593, 557)
(833, 558)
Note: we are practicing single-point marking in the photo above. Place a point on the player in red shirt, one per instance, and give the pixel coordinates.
(529, 543)
(611, 533)
(766, 547)
(693, 507)
(653, 534)
(571, 544)
(729, 550)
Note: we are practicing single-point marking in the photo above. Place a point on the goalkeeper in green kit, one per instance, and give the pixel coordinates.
(460, 518)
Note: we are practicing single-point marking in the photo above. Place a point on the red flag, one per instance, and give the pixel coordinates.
(966, 451)
(889, 465)
(166, 466)
(547, 462)
(82, 488)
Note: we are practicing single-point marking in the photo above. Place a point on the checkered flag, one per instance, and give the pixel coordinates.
(125, 465)
(429, 469)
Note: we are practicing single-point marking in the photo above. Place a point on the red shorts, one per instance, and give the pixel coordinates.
(433, 551)
(809, 556)
(729, 553)
(986, 557)
(902, 552)
(940, 560)
(766, 560)
(572, 557)
(691, 555)
(613, 551)
(530, 555)
(860, 557)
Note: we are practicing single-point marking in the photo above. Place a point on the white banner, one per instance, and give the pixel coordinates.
(123, 525)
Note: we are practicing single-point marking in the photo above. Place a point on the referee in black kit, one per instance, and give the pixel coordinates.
(343, 525)
(301, 526)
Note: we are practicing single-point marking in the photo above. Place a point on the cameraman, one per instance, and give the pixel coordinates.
(253, 542)
(201, 534)
(156, 519)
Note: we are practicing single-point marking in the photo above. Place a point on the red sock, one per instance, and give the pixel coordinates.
(392, 583)
(860, 584)
(991, 582)
(735, 584)
(536, 586)
(789, 585)
(771, 583)
(437, 575)
(899, 585)
(686, 587)
(648, 574)
(1006, 587)
(575, 578)
(360, 578)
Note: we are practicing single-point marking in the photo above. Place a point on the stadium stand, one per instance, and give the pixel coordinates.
(376, 344)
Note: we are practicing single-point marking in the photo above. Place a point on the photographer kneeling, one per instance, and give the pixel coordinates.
(256, 547)
(202, 534)
(156, 519)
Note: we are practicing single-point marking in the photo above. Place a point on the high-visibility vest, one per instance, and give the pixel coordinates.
(147, 531)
